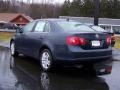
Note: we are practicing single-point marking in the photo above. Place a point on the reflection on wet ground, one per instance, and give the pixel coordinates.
(23, 73)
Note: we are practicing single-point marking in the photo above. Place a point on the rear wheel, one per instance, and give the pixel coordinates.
(46, 60)
(13, 49)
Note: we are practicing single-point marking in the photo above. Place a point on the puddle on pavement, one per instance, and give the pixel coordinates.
(23, 73)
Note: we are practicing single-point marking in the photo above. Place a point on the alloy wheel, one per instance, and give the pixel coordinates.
(45, 60)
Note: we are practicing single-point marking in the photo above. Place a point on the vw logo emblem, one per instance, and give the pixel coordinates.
(97, 36)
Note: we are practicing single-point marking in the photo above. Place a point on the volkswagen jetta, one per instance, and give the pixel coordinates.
(54, 41)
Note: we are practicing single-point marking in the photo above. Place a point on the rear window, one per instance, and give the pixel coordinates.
(74, 26)
(99, 29)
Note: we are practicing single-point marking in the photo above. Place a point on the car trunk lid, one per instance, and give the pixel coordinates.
(93, 40)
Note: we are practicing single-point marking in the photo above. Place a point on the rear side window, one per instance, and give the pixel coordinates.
(74, 26)
(40, 26)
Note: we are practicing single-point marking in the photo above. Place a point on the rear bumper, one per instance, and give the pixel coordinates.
(82, 56)
(86, 58)
(83, 61)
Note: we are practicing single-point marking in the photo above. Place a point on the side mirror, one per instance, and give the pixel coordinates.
(19, 30)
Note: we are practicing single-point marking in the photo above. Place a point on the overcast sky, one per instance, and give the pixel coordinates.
(52, 1)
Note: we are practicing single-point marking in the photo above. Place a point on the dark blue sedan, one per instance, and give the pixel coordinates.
(55, 41)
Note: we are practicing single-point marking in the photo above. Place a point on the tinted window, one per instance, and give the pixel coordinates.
(40, 26)
(28, 27)
(74, 26)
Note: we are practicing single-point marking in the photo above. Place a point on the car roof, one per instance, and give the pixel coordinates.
(53, 19)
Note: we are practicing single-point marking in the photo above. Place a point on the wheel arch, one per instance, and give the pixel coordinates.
(11, 41)
(46, 47)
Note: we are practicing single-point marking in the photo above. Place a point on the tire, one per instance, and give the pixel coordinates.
(46, 60)
(13, 49)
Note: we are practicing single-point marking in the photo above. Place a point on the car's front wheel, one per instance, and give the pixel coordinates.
(46, 60)
(13, 49)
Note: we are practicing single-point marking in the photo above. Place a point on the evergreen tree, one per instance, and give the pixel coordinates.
(65, 8)
(75, 8)
(88, 8)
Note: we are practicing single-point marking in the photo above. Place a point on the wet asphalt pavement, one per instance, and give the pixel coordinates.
(24, 73)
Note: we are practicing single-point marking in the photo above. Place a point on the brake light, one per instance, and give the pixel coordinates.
(74, 40)
(108, 40)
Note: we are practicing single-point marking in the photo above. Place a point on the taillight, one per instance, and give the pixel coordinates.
(108, 40)
(74, 40)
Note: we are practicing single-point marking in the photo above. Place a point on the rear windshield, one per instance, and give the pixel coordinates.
(74, 26)
(99, 29)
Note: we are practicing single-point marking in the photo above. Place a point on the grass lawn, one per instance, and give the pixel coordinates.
(5, 36)
(117, 43)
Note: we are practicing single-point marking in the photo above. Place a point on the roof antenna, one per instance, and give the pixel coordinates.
(67, 19)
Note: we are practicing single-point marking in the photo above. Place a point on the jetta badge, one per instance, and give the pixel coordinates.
(97, 36)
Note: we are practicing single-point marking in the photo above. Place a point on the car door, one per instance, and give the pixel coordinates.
(24, 38)
(37, 37)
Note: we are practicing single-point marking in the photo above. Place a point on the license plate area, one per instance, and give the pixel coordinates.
(95, 43)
